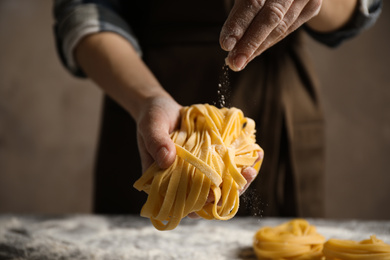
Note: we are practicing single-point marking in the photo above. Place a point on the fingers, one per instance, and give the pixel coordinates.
(274, 20)
(193, 215)
(240, 17)
(268, 14)
(289, 23)
(298, 14)
(249, 174)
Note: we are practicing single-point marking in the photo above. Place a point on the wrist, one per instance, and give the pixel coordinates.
(113, 64)
(136, 103)
(333, 15)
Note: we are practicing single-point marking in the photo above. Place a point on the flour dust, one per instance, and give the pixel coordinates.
(252, 202)
(224, 90)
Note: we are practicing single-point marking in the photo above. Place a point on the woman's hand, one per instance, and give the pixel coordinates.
(157, 119)
(255, 25)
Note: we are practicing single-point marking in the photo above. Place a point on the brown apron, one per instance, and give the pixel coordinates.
(180, 45)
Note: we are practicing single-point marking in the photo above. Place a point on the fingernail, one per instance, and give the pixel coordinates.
(161, 155)
(239, 61)
(229, 43)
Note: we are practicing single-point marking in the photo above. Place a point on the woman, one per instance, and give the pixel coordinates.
(152, 57)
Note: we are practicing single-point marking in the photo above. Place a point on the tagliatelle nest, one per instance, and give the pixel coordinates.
(293, 240)
(298, 240)
(213, 146)
(368, 249)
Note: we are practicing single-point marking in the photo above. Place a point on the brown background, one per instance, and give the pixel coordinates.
(49, 120)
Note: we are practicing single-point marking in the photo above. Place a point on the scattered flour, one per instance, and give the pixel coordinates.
(135, 238)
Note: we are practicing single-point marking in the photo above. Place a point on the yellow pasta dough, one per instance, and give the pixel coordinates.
(212, 146)
(369, 249)
(297, 239)
(292, 240)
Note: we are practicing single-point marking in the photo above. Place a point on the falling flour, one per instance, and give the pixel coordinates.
(250, 198)
(223, 88)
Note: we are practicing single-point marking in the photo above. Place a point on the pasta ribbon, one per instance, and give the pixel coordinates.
(296, 239)
(292, 240)
(212, 146)
(369, 249)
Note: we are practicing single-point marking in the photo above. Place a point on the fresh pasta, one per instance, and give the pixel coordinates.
(212, 146)
(293, 240)
(372, 248)
(297, 240)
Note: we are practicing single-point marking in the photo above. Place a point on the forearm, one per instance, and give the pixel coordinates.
(111, 62)
(333, 15)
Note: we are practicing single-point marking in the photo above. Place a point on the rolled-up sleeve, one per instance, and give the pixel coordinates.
(74, 19)
(366, 14)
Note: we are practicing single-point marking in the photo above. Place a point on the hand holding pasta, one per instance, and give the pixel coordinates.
(213, 146)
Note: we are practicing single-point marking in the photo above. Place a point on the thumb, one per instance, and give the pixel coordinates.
(160, 146)
(165, 155)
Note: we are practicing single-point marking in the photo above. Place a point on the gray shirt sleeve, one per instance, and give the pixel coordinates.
(366, 14)
(74, 19)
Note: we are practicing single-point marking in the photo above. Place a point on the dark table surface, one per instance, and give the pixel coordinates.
(133, 237)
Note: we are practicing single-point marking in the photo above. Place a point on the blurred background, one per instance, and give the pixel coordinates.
(49, 120)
